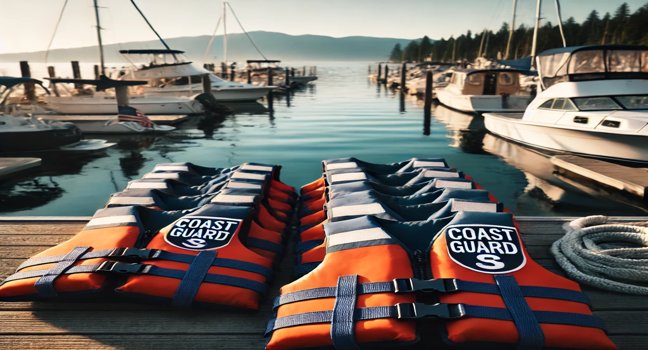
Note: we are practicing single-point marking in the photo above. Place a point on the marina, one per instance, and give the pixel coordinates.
(171, 179)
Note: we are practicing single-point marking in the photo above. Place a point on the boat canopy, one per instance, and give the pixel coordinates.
(499, 81)
(263, 61)
(593, 62)
(150, 52)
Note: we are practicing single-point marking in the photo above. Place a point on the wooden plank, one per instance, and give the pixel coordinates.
(623, 178)
(12, 165)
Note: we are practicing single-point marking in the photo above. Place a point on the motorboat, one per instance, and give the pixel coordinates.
(485, 90)
(168, 73)
(21, 131)
(127, 120)
(593, 101)
(441, 74)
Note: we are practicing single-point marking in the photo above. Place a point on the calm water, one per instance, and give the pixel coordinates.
(341, 115)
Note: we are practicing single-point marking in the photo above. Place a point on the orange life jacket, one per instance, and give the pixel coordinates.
(80, 265)
(465, 281)
(221, 269)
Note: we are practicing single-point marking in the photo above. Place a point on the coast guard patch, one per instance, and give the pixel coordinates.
(489, 249)
(202, 232)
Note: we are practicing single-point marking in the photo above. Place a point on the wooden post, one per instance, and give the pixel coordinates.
(304, 71)
(287, 76)
(121, 93)
(270, 101)
(379, 75)
(30, 89)
(232, 73)
(96, 72)
(52, 74)
(206, 83)
(403, 78)
(427, 109)
(249, 75)
(76, 73)
(292, 72)
(384, 81)
(223, 70)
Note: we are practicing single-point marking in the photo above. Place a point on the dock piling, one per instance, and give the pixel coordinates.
(270, 96)
(379, 74)
(76, 74)
(249, 75)
(96, 72)
(51, 72)
(232, 75)
(287, 77)
(427, 108)
(30, 89)
(403, 78)
(384, 80)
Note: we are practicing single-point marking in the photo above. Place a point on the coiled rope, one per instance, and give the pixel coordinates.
(613, 257)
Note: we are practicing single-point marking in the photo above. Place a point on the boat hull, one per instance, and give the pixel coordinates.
(38, 140)
(109, 106)
(624, 147)
(482, 103)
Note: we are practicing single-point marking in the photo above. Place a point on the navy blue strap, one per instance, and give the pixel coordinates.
(440, 285)
(258, 287)
(42, 260)
(307, 245)
(193, 278)
(530, 335)
(264, 244)
(218, 262)
(45, 284)
(342, 322)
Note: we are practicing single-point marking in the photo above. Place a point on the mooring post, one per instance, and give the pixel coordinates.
(52, 74)
(96, 72)
(206, 83)
(403, 78)
(379, 75)
(249, 75)
(384, 81)
(292, 72)
(30, 89)
(270, 101)
(427, 109)
(76, 74)
(232, 73)
(223, 70)
(304, 71)
(287, 76)
(121, 94)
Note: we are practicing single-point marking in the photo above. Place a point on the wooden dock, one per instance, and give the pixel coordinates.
(70, 325)
(632, 181)
(11, 165)
(158, 119)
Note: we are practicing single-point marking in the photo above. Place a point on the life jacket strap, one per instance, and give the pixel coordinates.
(438, 285)
(140, 254)
(264, 245)
(45, 284)
(193, 278)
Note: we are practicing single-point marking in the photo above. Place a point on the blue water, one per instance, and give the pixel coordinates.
(343, 114)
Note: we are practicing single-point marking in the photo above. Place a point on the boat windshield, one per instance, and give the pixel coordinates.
(633, 102)
(599, 62)
(601, 103)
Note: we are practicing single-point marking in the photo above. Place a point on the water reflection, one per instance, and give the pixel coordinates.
(545, 185)
(466, 131)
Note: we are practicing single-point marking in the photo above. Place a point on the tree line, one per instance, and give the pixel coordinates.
(622, 27)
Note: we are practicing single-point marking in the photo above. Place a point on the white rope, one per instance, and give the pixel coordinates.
(613, 257)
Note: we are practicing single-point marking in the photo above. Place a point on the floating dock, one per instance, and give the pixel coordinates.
(632, 181)
(157, 119)
(99, 325)
(12, 165)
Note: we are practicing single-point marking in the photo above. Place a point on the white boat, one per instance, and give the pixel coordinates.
(484, 90)
(105, 103)
(169, 74)
(593, 102)
(20, 131)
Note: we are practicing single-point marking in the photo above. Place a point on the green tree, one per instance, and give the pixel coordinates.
(425, 48)
(396, 54)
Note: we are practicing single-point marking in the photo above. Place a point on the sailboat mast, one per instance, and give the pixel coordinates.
(534, 44)
(560, 24)
(511, 30)
(101, 52)
(225, 31)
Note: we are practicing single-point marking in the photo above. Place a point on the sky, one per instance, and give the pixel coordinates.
(29, 24)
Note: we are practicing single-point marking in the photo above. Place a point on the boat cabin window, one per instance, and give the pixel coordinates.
(596, 103)
(474, 79)
(633, 102)
(624, 61)
(559, 104)
(505, 78)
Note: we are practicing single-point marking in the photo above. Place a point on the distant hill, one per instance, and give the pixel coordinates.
(273, 45)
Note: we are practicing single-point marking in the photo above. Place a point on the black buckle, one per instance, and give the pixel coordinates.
(120, 267)
(135, 253)
(409, 285)
(420, 310)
